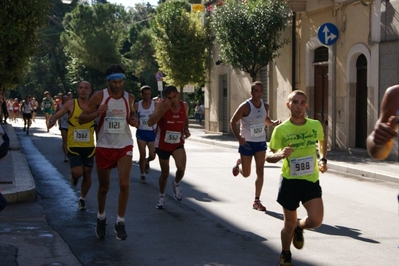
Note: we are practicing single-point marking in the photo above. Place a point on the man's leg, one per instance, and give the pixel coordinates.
(315, 210)
(86, 182)
(287, 233)
(259, 163)
(180, 158)
(103, 187)
(124, 167)
(141, 145)
(246, 162)
(151, 151)
(164, 175)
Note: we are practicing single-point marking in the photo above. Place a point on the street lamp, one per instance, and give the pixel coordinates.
(66, 1)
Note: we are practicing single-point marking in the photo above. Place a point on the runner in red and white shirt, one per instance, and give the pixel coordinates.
(171, 117)
(114, 109)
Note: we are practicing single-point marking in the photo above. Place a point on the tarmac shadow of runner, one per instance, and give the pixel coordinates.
(336, 230)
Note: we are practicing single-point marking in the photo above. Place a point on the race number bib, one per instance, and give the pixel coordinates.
(143, 122)
(302, 166)
(114, 125)
(81, 135)
(257, 130)
(172, 137)
(47, 105)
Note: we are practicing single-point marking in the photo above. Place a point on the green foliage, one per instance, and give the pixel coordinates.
(249, 34)
(20, 21)
(93, 38)
(180, 44)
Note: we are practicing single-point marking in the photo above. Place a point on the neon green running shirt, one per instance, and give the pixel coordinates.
(302, 163)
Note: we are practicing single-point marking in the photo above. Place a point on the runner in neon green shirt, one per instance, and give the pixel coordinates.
(295, 142)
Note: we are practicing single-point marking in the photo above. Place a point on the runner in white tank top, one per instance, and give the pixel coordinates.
(253, 115)
(145, 134)
(115, 109)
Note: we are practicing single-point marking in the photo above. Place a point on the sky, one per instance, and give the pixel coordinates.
(131, 3)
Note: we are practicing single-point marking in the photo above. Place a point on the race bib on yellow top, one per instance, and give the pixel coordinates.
(172, 137)
(257, 130)
(302, 166)
(143, 122)
(114, 125)
(81, 135)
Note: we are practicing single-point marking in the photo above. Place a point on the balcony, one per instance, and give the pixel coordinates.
(297, 5)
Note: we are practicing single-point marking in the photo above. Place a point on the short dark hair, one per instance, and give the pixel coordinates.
(114, 68)
(256, 83)
(170, 89)
(145, 87)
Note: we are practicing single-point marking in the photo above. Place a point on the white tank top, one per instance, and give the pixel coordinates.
(252, 126)
(113, 128)
(144, 114)
(27, 108)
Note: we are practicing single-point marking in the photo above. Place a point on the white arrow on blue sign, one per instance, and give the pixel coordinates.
(328, 34)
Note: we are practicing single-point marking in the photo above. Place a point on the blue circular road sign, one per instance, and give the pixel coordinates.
(328, 34)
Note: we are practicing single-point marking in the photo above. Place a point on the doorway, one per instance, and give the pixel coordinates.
(361, 102)
(321, 96)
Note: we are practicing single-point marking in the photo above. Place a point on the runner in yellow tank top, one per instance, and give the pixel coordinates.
(80, 140)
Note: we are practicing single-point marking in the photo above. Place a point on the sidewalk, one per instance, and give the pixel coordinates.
(18, 185)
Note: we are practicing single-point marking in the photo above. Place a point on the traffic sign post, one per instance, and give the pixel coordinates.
(159, 76)
(328, 34)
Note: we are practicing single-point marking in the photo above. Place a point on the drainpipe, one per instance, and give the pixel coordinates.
(293, 50)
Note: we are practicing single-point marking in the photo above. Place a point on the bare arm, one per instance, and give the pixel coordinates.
(93, 109)
(66, 108)
(380, 141)
(186, 131)
(160, 109)
(133, 112)
(239, 113)
(268, 121)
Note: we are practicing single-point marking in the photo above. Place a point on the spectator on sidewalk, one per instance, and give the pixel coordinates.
(171, 117)
(381, 139)
(199, 112)
(115, 109)
(80, 140)
(145, 134)
(299, 180)
(253, 115)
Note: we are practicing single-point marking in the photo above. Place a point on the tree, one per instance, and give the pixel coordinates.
(249, 33)
(93, 38)
(20, 21)
(180, 44)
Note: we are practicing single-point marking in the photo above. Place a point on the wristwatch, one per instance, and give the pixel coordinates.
(323, 160)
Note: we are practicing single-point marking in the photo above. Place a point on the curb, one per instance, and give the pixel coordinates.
(22, 188)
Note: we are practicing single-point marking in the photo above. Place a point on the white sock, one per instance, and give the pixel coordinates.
(162, 195)
(120, 219)
(101, 216)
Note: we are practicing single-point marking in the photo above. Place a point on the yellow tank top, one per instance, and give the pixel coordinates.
(79, 136)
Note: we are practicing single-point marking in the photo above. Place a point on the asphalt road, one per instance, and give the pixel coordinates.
(215, 223)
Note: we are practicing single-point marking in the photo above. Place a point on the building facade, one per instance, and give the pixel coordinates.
(343, 54)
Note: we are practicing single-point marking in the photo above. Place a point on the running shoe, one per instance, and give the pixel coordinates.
(101, 229)
(177, 191)
(285, 259)
(142, 180)
(82, 205)
(258, 206)
(147, 166)
(160, 203)
(74, 181)
(120, 231)
(298, 239)
(236, 169)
